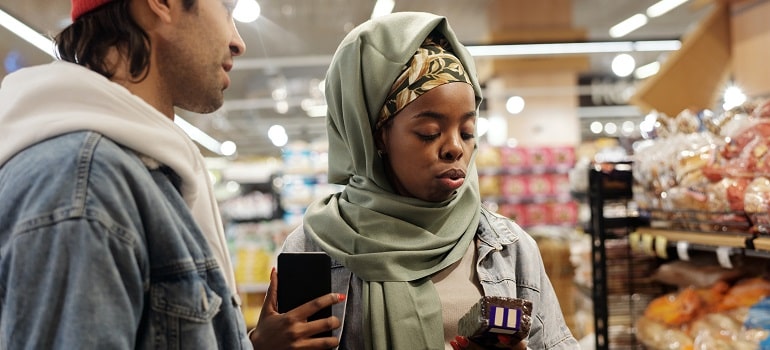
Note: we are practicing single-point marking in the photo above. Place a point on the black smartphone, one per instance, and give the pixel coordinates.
(303, 277)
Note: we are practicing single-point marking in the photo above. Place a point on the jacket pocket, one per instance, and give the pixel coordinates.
(182, 313)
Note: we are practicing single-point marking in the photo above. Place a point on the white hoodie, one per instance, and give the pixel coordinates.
(41, 102)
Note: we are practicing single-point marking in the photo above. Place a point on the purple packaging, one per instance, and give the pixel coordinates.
(492, 316)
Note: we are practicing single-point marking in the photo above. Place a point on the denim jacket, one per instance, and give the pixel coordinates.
(509, 264)
(99, 251)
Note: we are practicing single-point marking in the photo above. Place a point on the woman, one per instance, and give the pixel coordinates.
(413, 248)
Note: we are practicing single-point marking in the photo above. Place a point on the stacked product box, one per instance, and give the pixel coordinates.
(528, 184)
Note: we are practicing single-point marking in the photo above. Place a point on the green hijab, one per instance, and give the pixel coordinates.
(393, 243)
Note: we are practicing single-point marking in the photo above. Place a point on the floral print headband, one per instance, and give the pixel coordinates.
(432, 65)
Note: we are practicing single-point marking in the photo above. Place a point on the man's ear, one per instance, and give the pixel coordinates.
(160, 8)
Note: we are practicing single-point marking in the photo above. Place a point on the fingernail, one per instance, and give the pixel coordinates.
(341, 297)
(454, 344)
(463, 341)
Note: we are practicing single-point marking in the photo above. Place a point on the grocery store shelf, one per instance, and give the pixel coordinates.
(762, 244)
(736, 240)
(665, 243)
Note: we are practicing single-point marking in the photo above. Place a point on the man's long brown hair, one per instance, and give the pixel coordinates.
(90, 37)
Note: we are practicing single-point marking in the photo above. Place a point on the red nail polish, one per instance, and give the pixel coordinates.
(463, 341)
(454, 345)
(341, 297)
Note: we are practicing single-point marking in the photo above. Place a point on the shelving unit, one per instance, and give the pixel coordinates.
(621, 288)
(762, 244)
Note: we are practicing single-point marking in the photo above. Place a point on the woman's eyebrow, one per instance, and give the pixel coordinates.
(440, 116)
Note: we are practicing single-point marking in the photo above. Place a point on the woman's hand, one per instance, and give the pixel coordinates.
(461, 343)
(291, 330)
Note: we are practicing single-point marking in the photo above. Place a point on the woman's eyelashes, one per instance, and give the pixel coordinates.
(431, 137)
(428, 137)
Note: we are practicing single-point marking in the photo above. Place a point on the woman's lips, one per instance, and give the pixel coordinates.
(452, 179)
(452, 184)
(453, 174)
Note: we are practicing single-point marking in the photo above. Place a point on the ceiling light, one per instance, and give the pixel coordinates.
(628, 25)
(318, 111)
(647, 70)
(383, 7)
(596, 127)
(659, 45)
(662, 7)
(282, 107)
(277, 135)
(28, 34)
(610, 128)
(228, 148)
(733, 97)
(628, 127)
(573, 48)
(246, 11)
(514, 105)
(232, 186)
(623, 65)
(198, 135)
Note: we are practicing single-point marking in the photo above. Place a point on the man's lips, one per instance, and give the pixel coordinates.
(227, 67)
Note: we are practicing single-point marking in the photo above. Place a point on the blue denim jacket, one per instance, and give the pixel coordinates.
(98, 251)
(509, 264)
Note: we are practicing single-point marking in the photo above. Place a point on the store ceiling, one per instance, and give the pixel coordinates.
(291, 44)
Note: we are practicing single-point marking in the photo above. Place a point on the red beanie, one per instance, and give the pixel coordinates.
(80, 7)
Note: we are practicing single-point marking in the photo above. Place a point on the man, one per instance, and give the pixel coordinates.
(110, 237)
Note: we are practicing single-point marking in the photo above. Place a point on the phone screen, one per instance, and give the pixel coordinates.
(303, 277)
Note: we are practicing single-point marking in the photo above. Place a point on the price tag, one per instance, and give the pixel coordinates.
(647, 242)
(683, 250)
(723, 256)
(633, 241)
(661, 243)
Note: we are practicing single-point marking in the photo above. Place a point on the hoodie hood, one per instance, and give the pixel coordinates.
(45, 101)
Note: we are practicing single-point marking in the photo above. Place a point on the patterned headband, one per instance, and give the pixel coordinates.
(432, 65)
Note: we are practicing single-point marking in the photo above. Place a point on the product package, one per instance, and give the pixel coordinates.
(492, 316)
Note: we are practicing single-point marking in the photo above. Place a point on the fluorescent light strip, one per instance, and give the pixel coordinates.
(26, 33)
(628, 25)
(573, 48)
(198, 135)
(647, 70)
(23, 31)
(662, 7)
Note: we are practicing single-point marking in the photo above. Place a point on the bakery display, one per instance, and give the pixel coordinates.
(712, 177)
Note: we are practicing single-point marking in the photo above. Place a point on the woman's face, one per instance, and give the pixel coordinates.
(428, 145)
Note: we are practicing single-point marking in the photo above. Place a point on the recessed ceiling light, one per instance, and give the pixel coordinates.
(628, 25)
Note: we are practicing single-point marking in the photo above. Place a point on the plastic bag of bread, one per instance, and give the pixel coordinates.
(724, 331)
(658, 336)
(695, 274)
(745, 293)
(675, 309)
(728, 193)
(756, 203)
